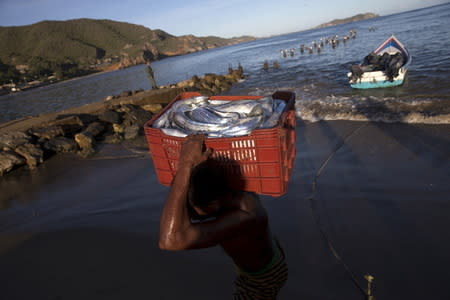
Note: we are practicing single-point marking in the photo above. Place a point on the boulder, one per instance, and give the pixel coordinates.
(70, 124)
(118, 128)
(32, 153)
(94, 129)
(110, 116)
(86, 143)
(13, 139)
(61, 144)
(86, 139)
(112, 138)
(185, 83)
(108, 98)
(205, 85)
(153, 108)
(126, 94)
(9, 160)
(78, 119)
(47, 132)
(132, 132)
(135, 115)
(209, 78)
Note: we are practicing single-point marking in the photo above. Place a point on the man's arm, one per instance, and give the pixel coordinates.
(176, 230)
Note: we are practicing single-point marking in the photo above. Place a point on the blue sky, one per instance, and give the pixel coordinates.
(225, 18)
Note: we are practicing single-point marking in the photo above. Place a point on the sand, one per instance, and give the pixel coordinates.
(88, 228)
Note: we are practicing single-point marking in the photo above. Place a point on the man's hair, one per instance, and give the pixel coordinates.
(208, 183)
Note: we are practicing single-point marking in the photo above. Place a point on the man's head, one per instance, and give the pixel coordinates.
(208, 187)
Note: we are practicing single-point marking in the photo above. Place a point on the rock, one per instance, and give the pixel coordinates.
(86, 143)
(78, 119)
(118, 128)
(61, 144)
(126, 94)
(47, 132)
(209, 78)
(94, 129)
(205, 85)
(112, 138)
(132, 132)
(69, 124)
(136, 116)
(86, 139)
(154, 108)
(109, 98)
(215, 90)
(110, 116)
(32, 153)
(13, 139)
(9, 160)
(185, 83)
(224, 85)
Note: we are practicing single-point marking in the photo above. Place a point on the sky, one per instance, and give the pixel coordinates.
(224, 18)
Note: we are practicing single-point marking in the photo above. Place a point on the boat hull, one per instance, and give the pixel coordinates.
(378, 79)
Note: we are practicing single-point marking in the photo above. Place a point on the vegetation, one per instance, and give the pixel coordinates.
(76, 47)
(355, 18)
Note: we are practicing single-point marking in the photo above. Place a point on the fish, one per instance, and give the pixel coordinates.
(247, 107)
(174, 132)
(278, 109)
(244, 127)
(207, 115)
(219, 118)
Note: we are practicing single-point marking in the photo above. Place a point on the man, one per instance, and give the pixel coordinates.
(201, 212)
(150, 74)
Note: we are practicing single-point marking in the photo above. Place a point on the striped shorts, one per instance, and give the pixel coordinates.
(265, 284)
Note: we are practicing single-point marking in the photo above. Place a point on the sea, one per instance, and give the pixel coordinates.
(319, 80)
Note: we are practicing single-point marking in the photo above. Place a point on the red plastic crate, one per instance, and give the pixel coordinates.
(260, 162)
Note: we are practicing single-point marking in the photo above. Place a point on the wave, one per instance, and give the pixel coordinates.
(313, 107)
(389, 110)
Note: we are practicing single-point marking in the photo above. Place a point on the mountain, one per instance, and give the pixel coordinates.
(355, 18)
(89, 42)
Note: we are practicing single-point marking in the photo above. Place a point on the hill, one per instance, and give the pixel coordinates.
(89, 43)
(355, 18)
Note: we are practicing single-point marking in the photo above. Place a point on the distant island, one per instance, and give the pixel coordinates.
(57, 50)
(355, 18)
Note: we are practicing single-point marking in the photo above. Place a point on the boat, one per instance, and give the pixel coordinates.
(386, 66)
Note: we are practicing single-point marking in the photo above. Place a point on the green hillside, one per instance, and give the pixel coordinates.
(87, 43)
(358, 17)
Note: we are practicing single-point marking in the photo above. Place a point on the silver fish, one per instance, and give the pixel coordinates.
(208, 115)
(162, 121)
(244, 126)
(218, 118)
(273, 119)
(174, 132)
(182, 120)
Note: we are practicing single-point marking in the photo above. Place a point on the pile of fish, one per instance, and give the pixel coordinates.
(219, 118)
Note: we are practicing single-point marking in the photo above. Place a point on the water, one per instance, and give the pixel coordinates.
(319, 81)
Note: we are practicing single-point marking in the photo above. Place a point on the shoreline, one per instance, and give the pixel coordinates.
(88, 228)
(62, 81)
(29, 141)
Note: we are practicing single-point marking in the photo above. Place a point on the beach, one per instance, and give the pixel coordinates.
(88, 228)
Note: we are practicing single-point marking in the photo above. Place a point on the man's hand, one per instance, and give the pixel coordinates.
(192, 152)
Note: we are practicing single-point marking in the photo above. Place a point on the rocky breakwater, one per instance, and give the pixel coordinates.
(28, 142)
(211, 84)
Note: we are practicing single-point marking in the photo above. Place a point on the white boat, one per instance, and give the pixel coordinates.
(366, 76)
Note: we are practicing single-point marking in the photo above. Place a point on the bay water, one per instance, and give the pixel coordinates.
(319, 80)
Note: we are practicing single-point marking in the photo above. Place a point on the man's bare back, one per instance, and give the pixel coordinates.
(252, 247)
(235, 220)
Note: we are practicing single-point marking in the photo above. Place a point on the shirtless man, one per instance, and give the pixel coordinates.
(201, 212)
